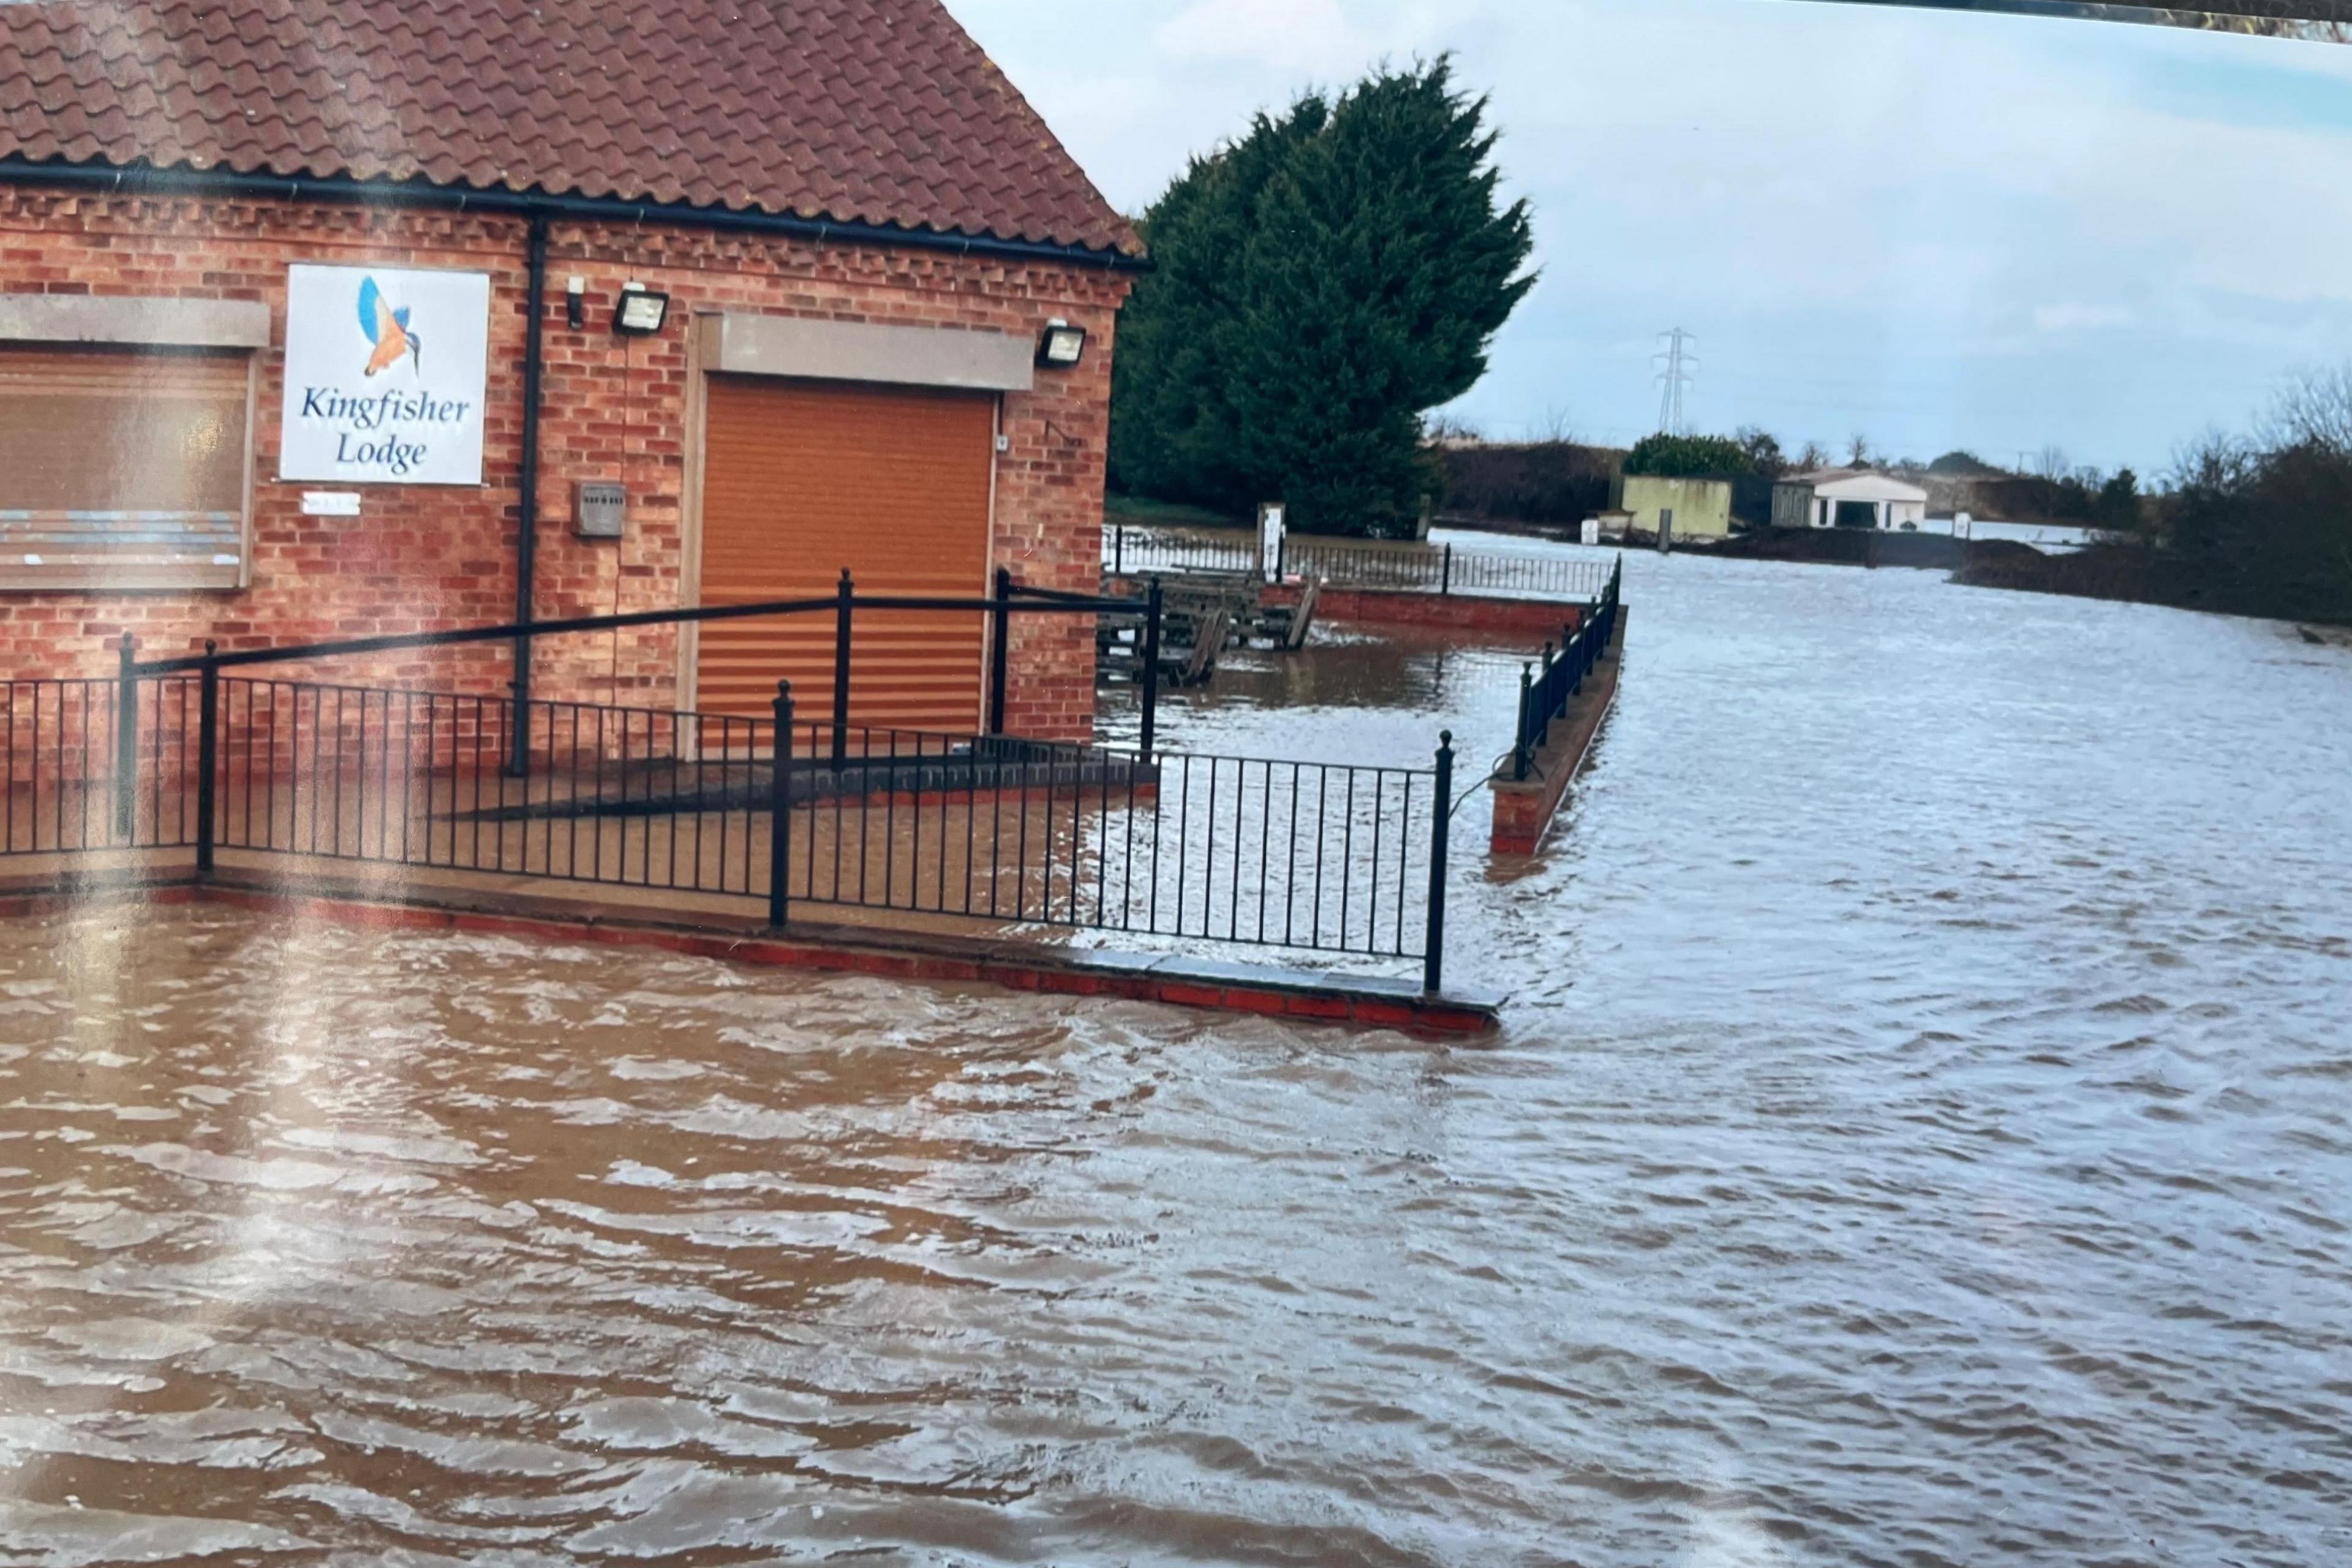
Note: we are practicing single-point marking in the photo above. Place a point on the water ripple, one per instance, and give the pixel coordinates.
(1919, 1138)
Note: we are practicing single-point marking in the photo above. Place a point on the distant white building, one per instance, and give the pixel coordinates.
(1849, 498)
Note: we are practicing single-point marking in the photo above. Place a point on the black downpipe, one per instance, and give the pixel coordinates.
(527, 511)
(1000, 651)
(844, 605)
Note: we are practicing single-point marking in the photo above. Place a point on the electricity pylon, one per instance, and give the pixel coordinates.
(1681, 367)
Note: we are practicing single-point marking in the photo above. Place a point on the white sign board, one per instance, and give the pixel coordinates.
(385, 373)
(1269, 541)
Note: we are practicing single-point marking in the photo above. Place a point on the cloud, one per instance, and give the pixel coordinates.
(2073, 317)
(1321, 40)
(1310, 35)
(1949, 228)
(1888, 222)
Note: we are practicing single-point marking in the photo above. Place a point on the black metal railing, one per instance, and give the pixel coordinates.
(1259, 852)
(625, 796)
(294, 772)
(1136, 551)
(98, 764)
(1546, 689)
(1325, 858)
(1406, 568)
(844, 605)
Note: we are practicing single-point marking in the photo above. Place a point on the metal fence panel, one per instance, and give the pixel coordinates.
(98, 764)
(1245, 851)
(1396, 568)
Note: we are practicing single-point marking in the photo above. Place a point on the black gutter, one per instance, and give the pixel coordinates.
(527, 508)
(144, 180)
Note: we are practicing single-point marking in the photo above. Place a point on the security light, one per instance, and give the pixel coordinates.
(641, 311)
(1062, 346)
(575, 302)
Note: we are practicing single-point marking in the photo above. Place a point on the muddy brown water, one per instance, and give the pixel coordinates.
(1923, 1135)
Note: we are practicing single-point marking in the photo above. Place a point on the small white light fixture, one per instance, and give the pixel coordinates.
(575, 302)
(641, 311)
(1062, 346)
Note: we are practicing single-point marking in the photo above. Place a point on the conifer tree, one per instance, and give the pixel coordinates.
(1320, 285)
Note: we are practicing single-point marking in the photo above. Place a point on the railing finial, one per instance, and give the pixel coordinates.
(1432, 953)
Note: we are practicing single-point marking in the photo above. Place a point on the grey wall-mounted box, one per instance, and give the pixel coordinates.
(600, 509)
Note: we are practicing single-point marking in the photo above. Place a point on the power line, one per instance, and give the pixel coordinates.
(1674, 380)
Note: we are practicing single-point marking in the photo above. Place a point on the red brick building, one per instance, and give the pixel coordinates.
(243, 372)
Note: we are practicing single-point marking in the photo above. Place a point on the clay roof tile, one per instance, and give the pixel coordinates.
(849, 110)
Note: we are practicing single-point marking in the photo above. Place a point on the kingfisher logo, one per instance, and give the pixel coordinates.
(363, 404)
(388, 330)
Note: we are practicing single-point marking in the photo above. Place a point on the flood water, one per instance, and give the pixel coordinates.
(1922, 1135)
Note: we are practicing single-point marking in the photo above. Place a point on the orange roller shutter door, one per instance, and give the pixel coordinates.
(802, 478)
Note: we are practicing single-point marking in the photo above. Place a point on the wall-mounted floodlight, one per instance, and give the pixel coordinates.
(1062, 346)
(641, 311)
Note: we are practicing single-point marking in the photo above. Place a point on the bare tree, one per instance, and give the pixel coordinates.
(1451, 430)
(1811, 457)
(1763, 450)
(2313, 409)
(2050, 463)
(1859, 450)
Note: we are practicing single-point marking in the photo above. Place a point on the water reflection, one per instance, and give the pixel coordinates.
(1921, 1137)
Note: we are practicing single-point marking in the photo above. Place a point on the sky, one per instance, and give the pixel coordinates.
(1934, 229)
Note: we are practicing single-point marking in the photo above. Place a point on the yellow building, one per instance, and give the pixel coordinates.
(1699, 508)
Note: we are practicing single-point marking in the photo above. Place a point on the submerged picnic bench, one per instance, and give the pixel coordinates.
(1203, 613)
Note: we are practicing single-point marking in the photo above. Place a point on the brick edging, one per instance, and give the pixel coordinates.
(1524, 811)
(1239, 988)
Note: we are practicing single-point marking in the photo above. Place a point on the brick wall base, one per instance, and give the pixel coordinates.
(1302, 996)
(1523, 810)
